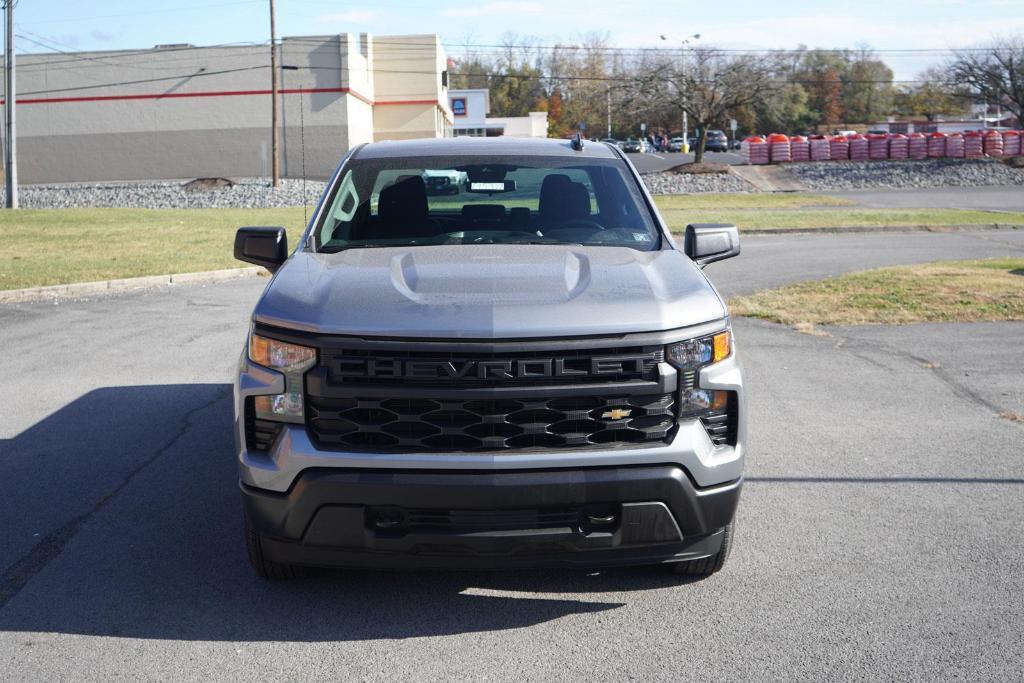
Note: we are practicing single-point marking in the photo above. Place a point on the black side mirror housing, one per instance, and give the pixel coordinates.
(706, 243)
(267, 247)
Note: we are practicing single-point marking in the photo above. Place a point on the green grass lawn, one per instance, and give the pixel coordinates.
(60, 246)
(944, 291)
(677, 214)
(745, 200)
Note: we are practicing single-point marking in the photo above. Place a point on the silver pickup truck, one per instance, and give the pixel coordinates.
(525, 369)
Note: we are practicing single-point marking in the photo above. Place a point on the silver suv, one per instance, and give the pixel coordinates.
(523, 370)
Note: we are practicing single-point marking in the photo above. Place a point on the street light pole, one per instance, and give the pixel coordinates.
(275, 154)
(682, 65)
(10, 156)
(609, 95)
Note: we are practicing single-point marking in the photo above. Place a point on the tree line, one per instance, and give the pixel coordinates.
(589, 82)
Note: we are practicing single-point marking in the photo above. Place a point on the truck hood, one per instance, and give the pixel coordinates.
(489, 292)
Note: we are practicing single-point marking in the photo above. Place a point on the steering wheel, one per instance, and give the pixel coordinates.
(579, 223)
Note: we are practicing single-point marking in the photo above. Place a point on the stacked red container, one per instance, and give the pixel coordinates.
(820, 148)
(973, 146)
(898, 146)
(754, 150)
(858, 147)
(878, 146)
(839, 147)
(799, 148)
(917, 146)
(955, 145)
(1011, 143)
(993, 143)
(778, 148)
(936, 145)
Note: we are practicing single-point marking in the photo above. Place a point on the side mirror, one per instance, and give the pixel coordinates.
(709, 242)
(267, 247)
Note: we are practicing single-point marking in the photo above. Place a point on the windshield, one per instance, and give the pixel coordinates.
(475, 200)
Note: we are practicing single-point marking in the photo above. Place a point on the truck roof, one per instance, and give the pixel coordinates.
(494, 147)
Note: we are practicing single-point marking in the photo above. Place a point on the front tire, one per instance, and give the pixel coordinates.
(707, 566)
(266, 568)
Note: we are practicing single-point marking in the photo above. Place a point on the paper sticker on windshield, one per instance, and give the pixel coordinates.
(641, 237)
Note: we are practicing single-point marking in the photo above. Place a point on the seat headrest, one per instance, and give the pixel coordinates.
(483, 212)
(561, 199)
(404, 200)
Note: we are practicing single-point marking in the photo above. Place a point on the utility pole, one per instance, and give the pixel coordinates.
(275, 152)
(10, 157)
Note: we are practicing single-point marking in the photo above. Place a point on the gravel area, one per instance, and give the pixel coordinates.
(686, 183)
(247, 193)
(854, 175)
(251, 193)
(254, 193)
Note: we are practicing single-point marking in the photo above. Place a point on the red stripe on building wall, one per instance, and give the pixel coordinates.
(209, 93)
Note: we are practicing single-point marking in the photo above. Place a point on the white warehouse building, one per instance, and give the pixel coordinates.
(180, 111)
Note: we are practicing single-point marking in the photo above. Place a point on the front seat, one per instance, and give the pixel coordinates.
(403, 211)
(562, 200)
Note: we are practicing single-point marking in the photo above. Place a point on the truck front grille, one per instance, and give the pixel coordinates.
(416, 424)
(355, 366)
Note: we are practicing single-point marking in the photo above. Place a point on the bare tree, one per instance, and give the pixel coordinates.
(707, 84)
(994, 75)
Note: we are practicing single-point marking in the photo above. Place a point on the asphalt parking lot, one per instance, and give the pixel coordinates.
(878, 535)
(660, 161)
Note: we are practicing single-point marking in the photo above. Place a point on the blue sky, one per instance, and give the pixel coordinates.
(903, 24)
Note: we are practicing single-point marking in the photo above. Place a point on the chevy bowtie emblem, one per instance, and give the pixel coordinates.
(617, 413)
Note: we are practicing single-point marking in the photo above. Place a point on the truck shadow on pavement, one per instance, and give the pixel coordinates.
(122, 518)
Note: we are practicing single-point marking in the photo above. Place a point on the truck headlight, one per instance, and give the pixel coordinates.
(292, 360)
(694, 353)
(691, 355)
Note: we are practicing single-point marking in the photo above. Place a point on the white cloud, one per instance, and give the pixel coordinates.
(352, 16)
(490, 9)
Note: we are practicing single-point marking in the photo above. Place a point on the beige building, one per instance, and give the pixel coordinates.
(179, 111)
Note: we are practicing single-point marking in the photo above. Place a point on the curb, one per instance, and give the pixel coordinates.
(958, 227)
(13, 296)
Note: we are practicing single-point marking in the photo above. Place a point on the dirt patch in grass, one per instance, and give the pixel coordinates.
(700, 168)
(948, 291)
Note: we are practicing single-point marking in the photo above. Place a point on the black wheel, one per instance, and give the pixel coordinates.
(708, 565)
(267, 569)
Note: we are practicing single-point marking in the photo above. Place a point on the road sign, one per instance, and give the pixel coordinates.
(643, 127)
(732, 125)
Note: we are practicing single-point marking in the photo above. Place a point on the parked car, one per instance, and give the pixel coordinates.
(634, 146)
(675, 145)
(443, 182)
(528, 372)
(717, 141)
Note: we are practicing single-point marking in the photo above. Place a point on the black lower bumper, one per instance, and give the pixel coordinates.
(408, 518)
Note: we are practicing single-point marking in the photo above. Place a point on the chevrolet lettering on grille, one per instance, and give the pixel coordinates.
(491, 369)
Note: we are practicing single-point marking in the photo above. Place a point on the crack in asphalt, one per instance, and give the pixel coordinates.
(987, 238)
(937, 370)
(50, 546)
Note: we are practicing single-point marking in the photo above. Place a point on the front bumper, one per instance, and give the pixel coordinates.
(293, 453)
(491, 519)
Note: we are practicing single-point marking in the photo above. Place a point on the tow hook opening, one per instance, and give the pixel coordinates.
(387, 518)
